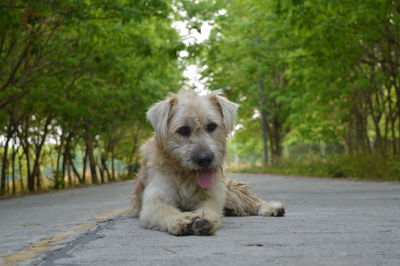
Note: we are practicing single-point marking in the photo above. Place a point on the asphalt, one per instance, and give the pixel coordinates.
(327, 222)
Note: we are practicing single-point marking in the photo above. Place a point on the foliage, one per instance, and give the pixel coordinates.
(310, 71)
(75, 80)
(359, 166)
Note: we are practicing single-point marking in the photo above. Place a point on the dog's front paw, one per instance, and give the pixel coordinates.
(273, 208)
(180, 225)
(199, 227)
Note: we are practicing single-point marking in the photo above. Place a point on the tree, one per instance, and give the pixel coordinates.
(76, 78)
(311, 71)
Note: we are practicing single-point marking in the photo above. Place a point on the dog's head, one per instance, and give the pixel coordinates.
(193, 129)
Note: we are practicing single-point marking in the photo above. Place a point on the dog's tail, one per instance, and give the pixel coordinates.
(239, 199)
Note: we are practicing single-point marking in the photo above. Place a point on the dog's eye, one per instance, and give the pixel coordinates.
(184, 131)
(211, 127)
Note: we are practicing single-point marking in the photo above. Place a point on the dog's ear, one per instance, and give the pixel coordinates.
(159, 114)
(228, 110)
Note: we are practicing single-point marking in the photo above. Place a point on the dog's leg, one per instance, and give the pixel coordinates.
(208, 219)
(209, 211)
(159, 215)
(159, 209)
(241, 202)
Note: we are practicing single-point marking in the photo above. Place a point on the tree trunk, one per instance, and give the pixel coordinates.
(4, 166)
(276, 145)
(23, 136)
(84, 167)
(105, 168)
(38, 174)
(69, 174)
(75, 171)
(14, 153)
(92, 161)
(112, 165)
(38, 154)
(65, 162)
(63, 168)
(58, 181)
(264, 114)
(7, 185)
(101, 170)
(21, 177)
(31, 179)
(264, 121)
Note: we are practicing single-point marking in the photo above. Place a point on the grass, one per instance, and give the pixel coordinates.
(365, 167)
(47, 186)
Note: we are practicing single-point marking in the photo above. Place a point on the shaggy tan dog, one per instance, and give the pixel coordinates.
(181, 188)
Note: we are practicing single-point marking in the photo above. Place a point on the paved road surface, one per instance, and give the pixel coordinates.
(328, 222)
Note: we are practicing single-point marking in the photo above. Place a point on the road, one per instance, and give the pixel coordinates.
(328, 222)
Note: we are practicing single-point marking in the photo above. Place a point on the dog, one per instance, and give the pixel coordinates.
(181, 188)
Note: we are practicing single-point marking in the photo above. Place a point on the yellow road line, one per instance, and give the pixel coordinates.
(44, 244)
(76, 228)
(34, 249)
(110, 214)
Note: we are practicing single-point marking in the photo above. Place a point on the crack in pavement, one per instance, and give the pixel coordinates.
(91, 235)
(44, 245)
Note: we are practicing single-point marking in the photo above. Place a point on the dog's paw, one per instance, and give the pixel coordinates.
(273, 208)
(194, 224)
(180, 225)
(199, 227)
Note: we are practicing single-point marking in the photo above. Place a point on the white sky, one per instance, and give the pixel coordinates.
(192, 72)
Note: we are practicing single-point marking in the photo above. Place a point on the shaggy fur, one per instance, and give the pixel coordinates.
(181, 188)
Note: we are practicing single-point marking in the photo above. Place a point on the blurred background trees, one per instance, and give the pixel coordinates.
(323, 78)
(76, 78)
(318, 83)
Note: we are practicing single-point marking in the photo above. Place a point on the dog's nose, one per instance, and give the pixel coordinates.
(203, 159)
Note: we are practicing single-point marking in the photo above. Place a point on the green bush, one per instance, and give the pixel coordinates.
(360, 166)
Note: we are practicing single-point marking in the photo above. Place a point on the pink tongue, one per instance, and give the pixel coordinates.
(205, 178)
